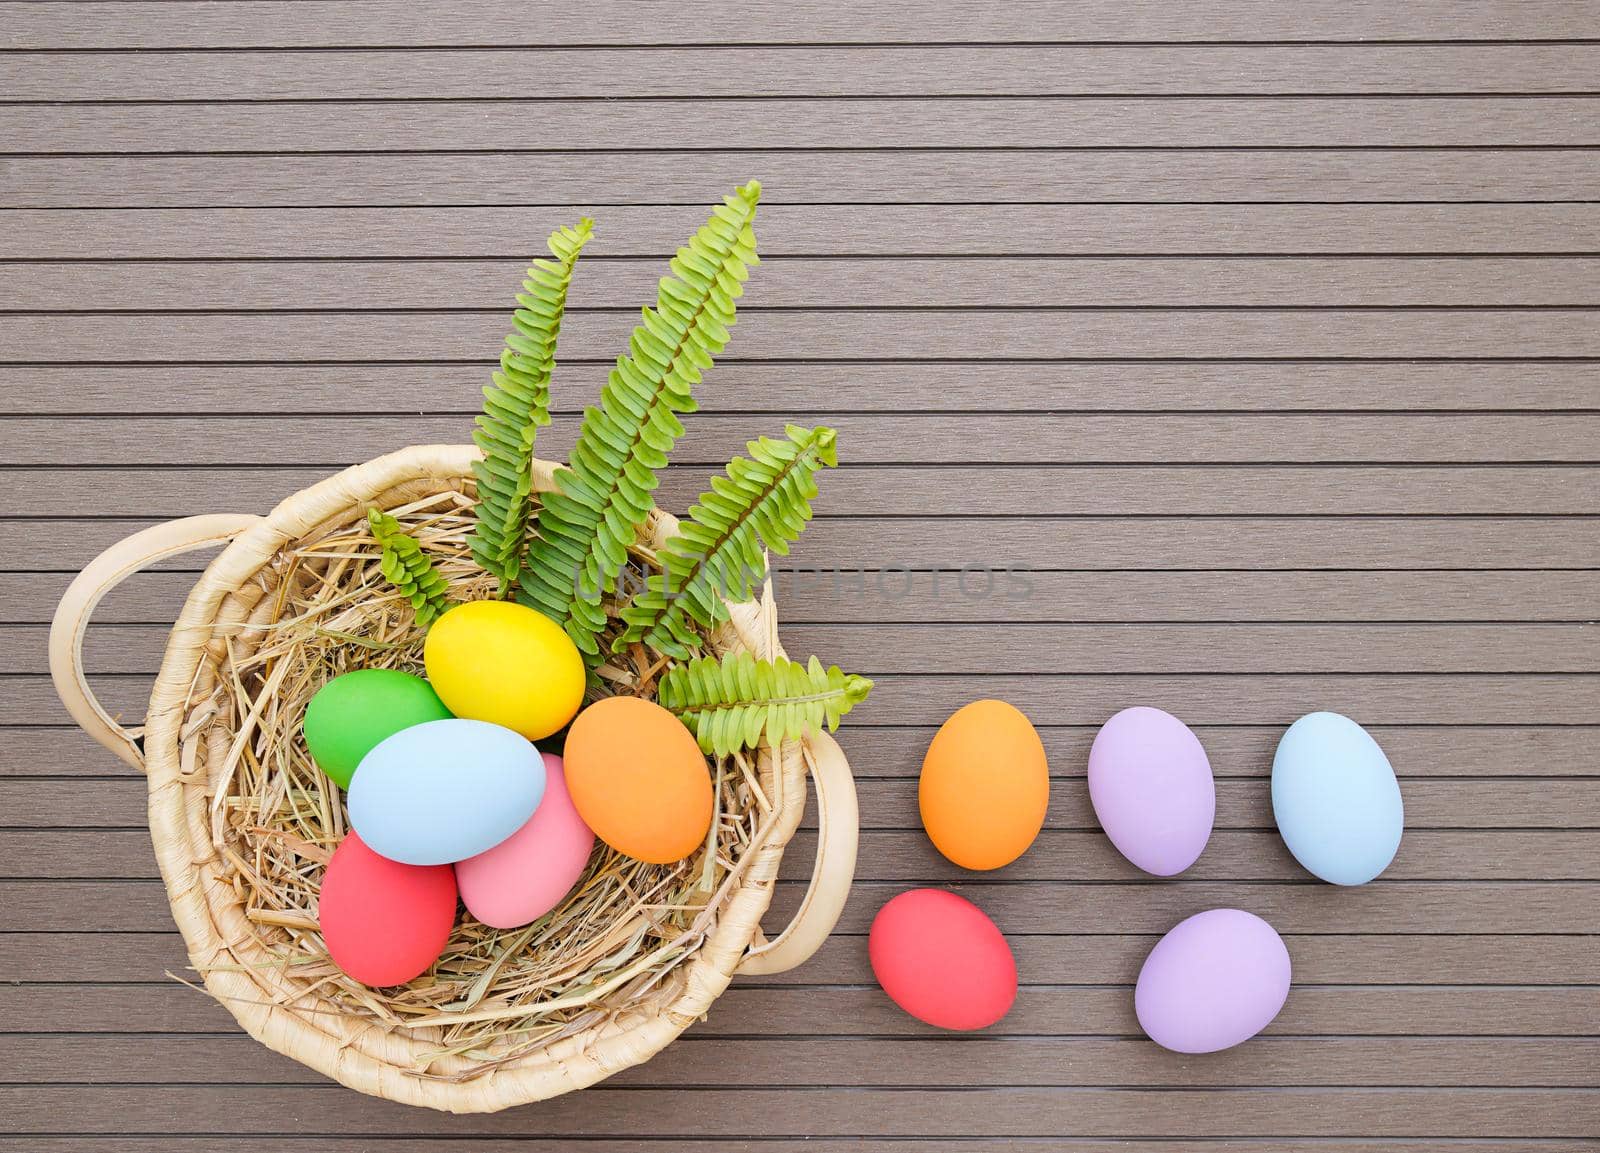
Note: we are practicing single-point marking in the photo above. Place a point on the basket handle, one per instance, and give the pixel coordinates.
(838, 826)
(99, 577)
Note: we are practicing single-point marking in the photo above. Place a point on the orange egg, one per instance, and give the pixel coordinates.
(638, 779)
(985, 786)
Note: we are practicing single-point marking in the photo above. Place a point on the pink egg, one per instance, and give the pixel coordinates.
(526, 875)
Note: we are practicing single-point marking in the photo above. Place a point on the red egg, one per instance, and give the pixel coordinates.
(384, 923)
(942, 960)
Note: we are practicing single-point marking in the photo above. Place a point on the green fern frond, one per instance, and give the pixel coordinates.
(740, 702)
(763, 502)
(584, 530)
(408, 568)
(516, 404)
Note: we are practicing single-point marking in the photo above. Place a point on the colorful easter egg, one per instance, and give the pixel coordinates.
(500, 662)
(351, 713)
(1336, 800)
(638, 779)
(527, 874)
(1215, 980)
(985, 785)
(1152, 789)
(444, 791)
(384, 922)
(942, 960)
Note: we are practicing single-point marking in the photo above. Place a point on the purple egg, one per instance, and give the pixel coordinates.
(1152, 790)
(1215, 980)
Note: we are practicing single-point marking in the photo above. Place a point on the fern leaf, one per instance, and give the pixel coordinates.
(408, 568)
(762, 503)
(737, 701)
(606, 491)
(516, 405)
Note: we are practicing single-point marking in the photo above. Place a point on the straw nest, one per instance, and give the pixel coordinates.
(495, 996)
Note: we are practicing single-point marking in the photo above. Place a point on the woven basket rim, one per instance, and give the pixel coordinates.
(367, 1056)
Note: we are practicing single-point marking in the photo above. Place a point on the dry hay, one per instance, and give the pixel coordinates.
(618, 939)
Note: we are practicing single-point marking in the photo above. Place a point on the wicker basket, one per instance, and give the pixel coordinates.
(186, 733)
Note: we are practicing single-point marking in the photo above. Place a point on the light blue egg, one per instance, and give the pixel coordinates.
(1336, 800)
(444, 791)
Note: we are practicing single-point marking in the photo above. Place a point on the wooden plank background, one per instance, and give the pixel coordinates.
(1236, 357)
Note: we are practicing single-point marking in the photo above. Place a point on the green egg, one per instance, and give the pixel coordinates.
(352, 713)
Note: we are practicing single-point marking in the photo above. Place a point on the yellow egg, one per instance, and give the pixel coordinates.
(500, 662)
(985, 786)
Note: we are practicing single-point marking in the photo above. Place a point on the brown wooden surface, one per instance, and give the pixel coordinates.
(1254, 343)
(1169, 176)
